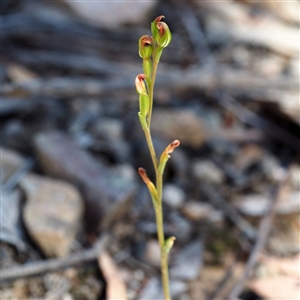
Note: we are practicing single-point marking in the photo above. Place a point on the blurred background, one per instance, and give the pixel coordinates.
(76, 220)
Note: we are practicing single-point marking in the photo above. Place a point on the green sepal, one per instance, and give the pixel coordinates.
(145, 47)
(154, 199)
(157, 54)
(153, 193)
(162, 164)
(163, 40)
(144, 105)
(154, 30)
(147, 68)
(169, 244)
(143, 121)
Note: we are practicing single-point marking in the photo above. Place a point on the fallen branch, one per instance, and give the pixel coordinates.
(49, 265)
(224, 78)
(263, 232)
(249, 117)
(230, 212)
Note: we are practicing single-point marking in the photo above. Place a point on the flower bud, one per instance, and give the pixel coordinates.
(165, 155)
(149, 184)
(147, 68)
(169, 244)
(145, 46)
(140, 84)
(169, 149)
(161, 32)
(144, 105)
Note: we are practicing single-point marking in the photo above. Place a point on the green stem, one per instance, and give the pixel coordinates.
(151, 89)
(159, 188)
(161, 237)
(151, 148)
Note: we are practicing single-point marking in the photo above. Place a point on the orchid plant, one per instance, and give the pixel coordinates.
(150, 50)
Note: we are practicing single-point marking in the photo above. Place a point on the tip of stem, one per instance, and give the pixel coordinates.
(172, 146)
(143, 174)
(175, 143)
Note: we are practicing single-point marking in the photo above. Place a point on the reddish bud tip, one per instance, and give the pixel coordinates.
(159, 18)
(140, 84)
(145, 46)
(141, 77)
(146, 40)
(172, 146)
(143, 174)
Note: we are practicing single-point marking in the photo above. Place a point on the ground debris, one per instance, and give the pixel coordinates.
(227, 88)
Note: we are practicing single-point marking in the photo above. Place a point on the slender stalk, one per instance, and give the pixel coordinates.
(161, 237)
(150, 50)
(158, 209)
(151, 89)
(151, 148)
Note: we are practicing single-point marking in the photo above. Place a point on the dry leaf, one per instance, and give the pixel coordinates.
(116, 289)
(284, 266)
(276, 287)
(19, 73)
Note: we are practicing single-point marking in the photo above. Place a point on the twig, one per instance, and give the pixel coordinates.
(10, 105)
(49, 265)
(249, 117)
(225, 78)
(223, 282)
(263, 232)
(200, 44)
(191, 24)
(17, 176)
(74, 62)
(231, 213)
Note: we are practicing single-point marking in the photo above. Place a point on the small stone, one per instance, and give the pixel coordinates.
(196, 211)
(180, 227)
(126, 171)
(56, 285)
(10, 222)
(269, 65)
(181, 124)
(257, 205)
(10, 161)
(285, 238)
(248, 156)
(52, 213)
(295, 177)
(106, 192)
(173, 195)
(113, 14)
(187, 262)
(20, 289)
(67, 296)
(152, 253)
(207, 171)
(153, 289)
(270, 166)
(108, 129)
(253, 205)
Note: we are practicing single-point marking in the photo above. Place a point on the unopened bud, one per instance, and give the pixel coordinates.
(161, 32)
(169, 149)
(172, 146)
(147, 68)
(144, 105)
(140, 84)
(148, 182)
(165, 155)
(169, 244)
(145, 46)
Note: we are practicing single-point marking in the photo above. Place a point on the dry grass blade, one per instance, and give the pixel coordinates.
(115, 285)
